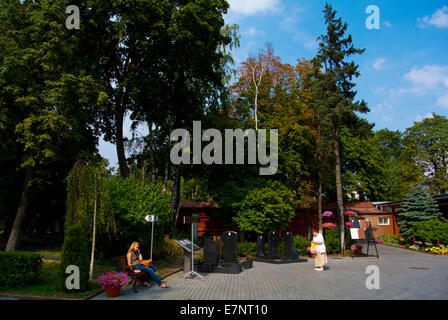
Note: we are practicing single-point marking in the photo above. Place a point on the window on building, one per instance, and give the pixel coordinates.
(383, 221)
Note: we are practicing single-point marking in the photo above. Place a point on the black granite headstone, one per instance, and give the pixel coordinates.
(273, 245)
(230, 252)
(260, 246)
(211, 252)
(288, 240)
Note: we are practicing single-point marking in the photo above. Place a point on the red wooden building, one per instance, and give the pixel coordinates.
(214, 221)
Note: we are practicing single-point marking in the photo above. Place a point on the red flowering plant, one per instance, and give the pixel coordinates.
(328, 225)
(327, 214)
(350, 213)
(114, 279)
(349, 224)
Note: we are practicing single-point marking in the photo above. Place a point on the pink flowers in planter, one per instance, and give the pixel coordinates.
(114, 279)
(350, 213)
(349, 224)
(327, 214)
(328, 225)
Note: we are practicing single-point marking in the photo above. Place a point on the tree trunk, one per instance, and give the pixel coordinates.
(151, 154)
(319, 202)
(92, 257)
(17, 230)
(178, 207)
(165, 177)
(339, 188)
(319, 177)
(256, 108)
(124, 168)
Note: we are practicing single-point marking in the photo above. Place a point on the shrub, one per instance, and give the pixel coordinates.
(75, 251)
(430, 231)
(18, 268)
(247, 248)
(171, 247)
(301, 243)
(331, 238)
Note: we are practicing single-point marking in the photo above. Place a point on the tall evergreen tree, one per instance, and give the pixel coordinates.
(418, 206)
(333, 87)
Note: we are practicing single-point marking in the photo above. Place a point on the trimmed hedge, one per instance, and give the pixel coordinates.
(19, 268)
(75, 251)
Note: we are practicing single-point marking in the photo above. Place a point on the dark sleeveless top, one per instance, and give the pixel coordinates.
(134, 257)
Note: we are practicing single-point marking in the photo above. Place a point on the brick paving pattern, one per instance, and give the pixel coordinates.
(404, 274)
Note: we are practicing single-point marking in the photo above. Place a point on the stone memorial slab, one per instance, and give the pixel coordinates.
(288, 240)
(273, 245)
(230, 251)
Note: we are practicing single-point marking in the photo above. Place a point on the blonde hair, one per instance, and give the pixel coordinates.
(132, 247)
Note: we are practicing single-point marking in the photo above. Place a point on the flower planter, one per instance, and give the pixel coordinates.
(313, 255)
(358, 250)
(111, 291)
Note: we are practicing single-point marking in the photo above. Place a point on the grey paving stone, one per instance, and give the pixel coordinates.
(404, 275)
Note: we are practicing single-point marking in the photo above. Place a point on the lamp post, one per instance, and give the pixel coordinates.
(152, 219)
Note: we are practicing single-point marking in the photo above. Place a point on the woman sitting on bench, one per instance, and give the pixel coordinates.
(135, 260)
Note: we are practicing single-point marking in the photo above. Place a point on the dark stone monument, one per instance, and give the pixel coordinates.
(260, 246)
(273, 245)
(288, 240)
(230, 254)
(211, 256)
(230, 251)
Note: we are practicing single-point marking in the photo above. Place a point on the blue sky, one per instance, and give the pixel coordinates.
(404, 70)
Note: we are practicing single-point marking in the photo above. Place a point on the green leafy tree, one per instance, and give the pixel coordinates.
(132, 200)
(389, 149)
(39, 64)
(88, 202)
(270, 207)
(418, 206)
(426, 150)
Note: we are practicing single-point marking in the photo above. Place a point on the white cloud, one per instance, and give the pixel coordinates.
(443, 101)
(438, 19)
(252, 7)
(387, 24)
(379, 63)
(252, 32)
(430, 77)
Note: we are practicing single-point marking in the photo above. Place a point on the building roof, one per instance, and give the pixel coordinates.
(199, 205)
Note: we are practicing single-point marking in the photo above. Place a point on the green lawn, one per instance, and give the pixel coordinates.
(47, 285)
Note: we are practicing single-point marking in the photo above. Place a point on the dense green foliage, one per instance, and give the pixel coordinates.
(267, 208)
(301, 244)
(430, 231)
(75, 251)
(19, 268)
(247, 248)
(426, 152)
(332, 240)
(131, 201)
(418, 206)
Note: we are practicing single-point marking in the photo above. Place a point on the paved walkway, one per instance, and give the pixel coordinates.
(403, 275)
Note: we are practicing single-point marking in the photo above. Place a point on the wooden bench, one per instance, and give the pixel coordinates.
(121, 264)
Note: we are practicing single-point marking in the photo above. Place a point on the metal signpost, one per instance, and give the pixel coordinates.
(192, 273)
(151, 219)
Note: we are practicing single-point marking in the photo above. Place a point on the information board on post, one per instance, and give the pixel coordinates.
(186, 244)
